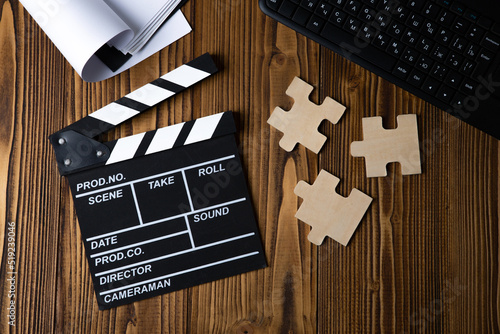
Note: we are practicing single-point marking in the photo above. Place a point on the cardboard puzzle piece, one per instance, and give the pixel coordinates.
(300, 124)
(381, 146)
(328, 213)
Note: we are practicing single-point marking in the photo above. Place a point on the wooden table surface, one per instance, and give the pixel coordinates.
(425, 257)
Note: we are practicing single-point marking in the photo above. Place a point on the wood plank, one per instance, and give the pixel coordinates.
(9, 164)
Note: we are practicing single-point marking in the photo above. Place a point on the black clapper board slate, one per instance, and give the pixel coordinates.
(163, 210)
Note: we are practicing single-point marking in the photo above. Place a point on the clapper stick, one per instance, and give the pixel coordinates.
(74, 145)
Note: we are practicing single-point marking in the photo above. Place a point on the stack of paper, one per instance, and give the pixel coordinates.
(143, 17)
(80, 28)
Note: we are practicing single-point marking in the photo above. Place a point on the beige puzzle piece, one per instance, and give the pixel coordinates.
(328, 213)
(300, 124)
(381, 146)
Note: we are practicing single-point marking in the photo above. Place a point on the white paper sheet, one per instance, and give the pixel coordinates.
(176, 27)
(136, 13)
(79, 28)
(142, 36)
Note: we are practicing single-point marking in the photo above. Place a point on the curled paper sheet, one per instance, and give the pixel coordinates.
(80, 28)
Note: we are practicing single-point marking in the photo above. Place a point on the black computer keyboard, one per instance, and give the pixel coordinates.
(437, 49)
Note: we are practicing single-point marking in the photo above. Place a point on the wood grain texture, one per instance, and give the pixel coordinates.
(425, 257)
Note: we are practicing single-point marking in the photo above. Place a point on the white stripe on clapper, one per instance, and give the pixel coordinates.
(150, 95)
(164, 138)
(125, 148)
(185, 75)
(203, 128)
(114, 113)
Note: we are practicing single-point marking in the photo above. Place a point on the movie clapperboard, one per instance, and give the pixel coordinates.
(162, 210)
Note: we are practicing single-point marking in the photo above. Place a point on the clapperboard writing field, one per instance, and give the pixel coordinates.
(162, 210)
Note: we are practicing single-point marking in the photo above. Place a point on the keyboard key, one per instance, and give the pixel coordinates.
(460, 26)
(324, 10)
(309, 4)
(431, 10)
(273, 4)
(446, 18)
(445, 93)
(454, 60)
(491, 42)
(410, 56)
(458, 100)
(429, 28)
(337, 3)
(475, 34)
(416, 78)
(468, 67)
(425, 45)
(472, 51)
(471, 15)
(385, 5)
(338, 17)
(402, 70)
(439, 71)
(396, 48)
(416, 5)
(444, 36)
(401, 13)
(485, 60)
(468, 87)
(372, 3)
(381, 41)
(369, 53)
(410, 37)
(367, 33)
(457, 8)
(415, 21)
(485, 56)
(459, 44)
(424, 64)
(287, 8)
(444, 3)
(301, 16)
(382, 20)
(352, 7)
(430, 86)
(315, 24)
(367, 14)
(352, 25)
(396, 29)
(439, 53)
(453, 79)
